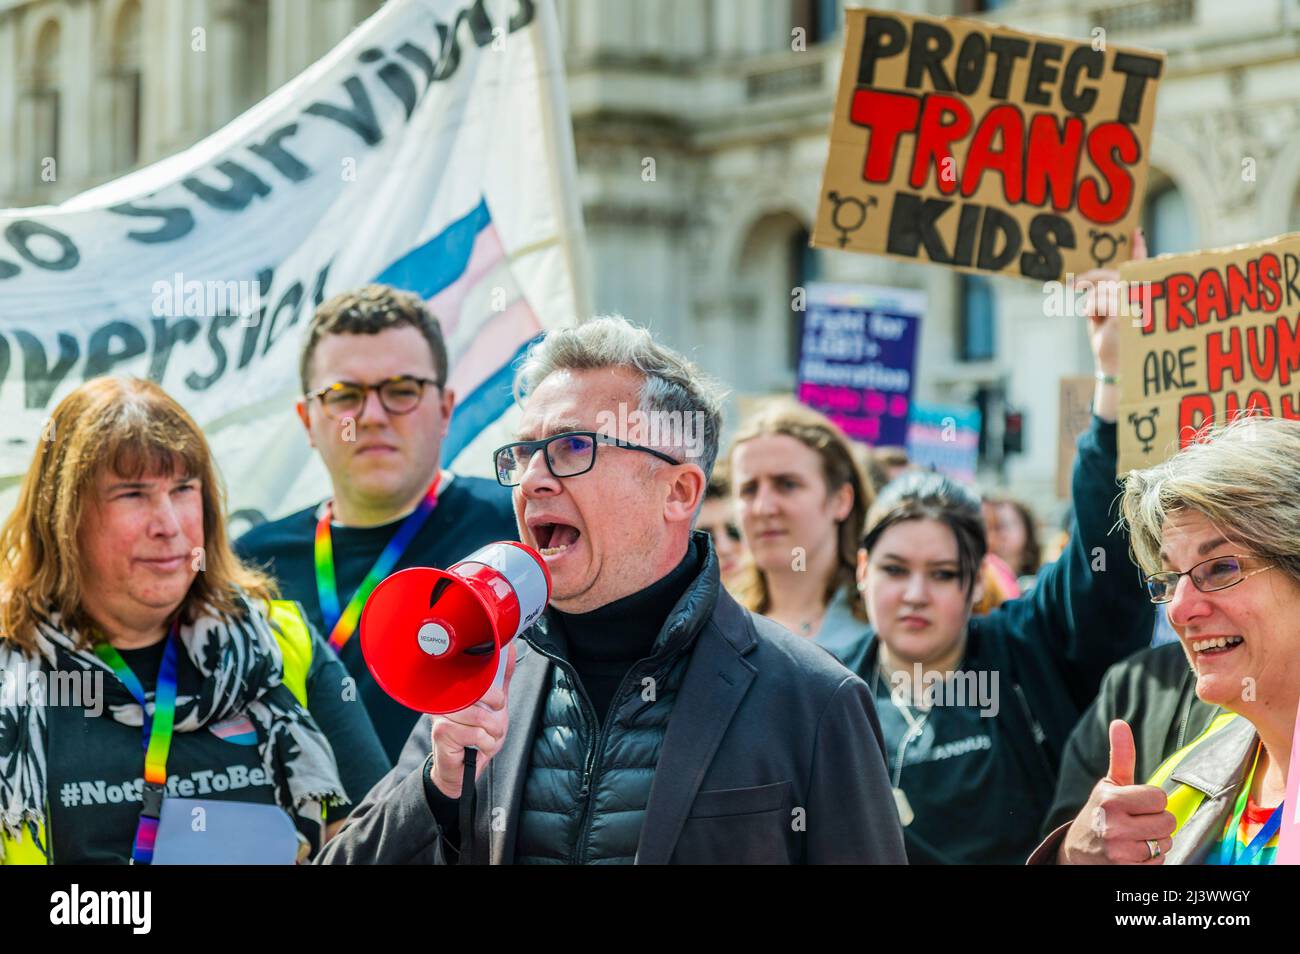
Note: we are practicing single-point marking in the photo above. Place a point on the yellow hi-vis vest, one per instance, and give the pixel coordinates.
(294, 637)
(1184, 800)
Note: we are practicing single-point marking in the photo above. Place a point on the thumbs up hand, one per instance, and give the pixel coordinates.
(1123, 754)
(1121, 820)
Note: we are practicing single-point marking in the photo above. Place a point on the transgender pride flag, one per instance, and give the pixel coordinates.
(463, 274)
(431, 149)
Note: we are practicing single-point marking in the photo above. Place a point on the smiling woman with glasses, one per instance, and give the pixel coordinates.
(1222, 513)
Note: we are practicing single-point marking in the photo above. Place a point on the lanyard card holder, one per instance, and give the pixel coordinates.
(200, 831)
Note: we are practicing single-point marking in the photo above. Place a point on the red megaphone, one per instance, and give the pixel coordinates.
(436, 640)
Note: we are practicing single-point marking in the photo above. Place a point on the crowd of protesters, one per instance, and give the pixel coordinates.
(849, 659)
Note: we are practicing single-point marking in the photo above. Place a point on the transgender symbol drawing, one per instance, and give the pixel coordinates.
(1147, 423)
(856, 207)
(1100, 240)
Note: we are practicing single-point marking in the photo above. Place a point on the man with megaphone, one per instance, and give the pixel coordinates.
(646, 716)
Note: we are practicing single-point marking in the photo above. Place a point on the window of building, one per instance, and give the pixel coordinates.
(819, 19)
(774, 261)
(1167, 220)
(978, 324)
(124, 76)
(804, 269)
(43, 107)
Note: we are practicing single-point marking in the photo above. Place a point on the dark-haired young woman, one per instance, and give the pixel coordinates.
(975, 711)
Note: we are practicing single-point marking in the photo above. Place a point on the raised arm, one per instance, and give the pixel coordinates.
(1089, 610)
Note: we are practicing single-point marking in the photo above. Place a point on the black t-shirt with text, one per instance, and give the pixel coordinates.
(96, 764)
(471, 513)
(966, 786)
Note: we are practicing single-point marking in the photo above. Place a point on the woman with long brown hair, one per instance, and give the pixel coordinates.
(125, 612)
(802, 500)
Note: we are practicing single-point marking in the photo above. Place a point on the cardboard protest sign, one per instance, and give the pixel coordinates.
(986, 149)
(1074, 413)
(1219, 336)
(857, 357)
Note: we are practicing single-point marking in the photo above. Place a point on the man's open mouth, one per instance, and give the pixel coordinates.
(554, 538)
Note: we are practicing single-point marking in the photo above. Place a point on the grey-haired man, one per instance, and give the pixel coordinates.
(649, 718)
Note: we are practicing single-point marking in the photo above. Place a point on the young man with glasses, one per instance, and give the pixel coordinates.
(649, 717)
(376, 407)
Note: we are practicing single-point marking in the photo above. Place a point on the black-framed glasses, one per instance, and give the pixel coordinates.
(567, 455)
(1216, 573)
(399, 394)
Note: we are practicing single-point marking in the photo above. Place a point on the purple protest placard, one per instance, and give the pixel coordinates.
(857, 358)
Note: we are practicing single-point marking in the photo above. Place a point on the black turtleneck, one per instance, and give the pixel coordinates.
(604, 644)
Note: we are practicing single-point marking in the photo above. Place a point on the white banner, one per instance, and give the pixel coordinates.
(431, 150)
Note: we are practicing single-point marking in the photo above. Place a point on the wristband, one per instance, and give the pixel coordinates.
(1106, 378)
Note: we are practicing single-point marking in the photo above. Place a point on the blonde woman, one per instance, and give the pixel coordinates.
(1216, 528)
(802, 500)
(170, 674)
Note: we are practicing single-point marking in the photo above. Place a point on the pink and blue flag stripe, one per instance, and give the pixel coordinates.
(464, 274)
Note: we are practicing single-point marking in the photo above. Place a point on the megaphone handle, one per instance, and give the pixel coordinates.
(468, 788)
(468, 797)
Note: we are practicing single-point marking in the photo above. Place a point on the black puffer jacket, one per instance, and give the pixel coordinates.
(588, 784)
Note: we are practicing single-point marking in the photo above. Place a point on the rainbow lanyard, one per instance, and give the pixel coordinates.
(343, 625)
(157, 730)
(1231, 851)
